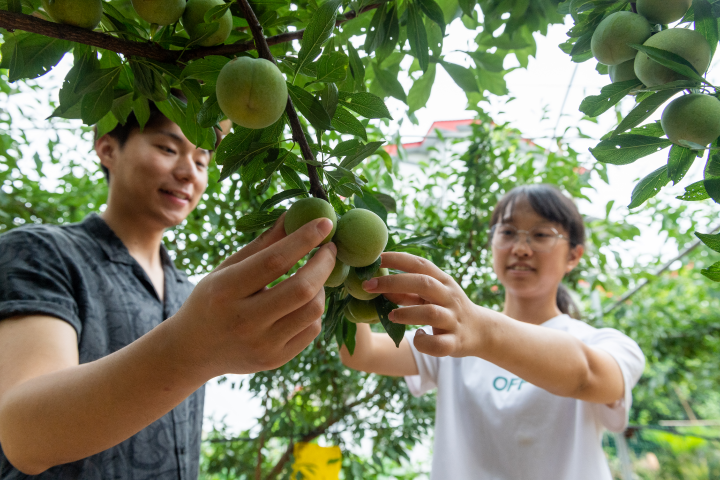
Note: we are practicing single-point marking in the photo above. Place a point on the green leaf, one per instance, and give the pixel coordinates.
(712, 174)
(85, 63)
(367, 272)
(643, 110)
(375, 35)
(346, 148)
(141, 109)
(649, 129)
(694, 192)
(317, 32)
(256, 221)
(345, 122)
(467, 6)
(310, 107)
(389, 83)
(350, 336)
(279, 197)
(329, 98)
(610, 95)
(364, 104)
(712, 272)
(216, 12)
(625, 149)
(122, 107)
(357, 69)
(388, 41)
(35, 55)
(420, 91)
(235, 144)
(679, 162)
(417, 36)
(291, 178)
(353, 160)
(96, 104)
(670, 60)
(369, 202)
(174, 109)
(463, 77)
(205, 69)
(395, 330)
(706, 23)
(333, 317)
(97, 80)
(433, 12)
(649, 186)
(332, 67)
(14, 6)
(149, 82)
(210, 113)
(710, 239)
(106, 124)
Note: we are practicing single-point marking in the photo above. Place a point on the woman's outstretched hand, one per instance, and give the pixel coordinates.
(430, 297)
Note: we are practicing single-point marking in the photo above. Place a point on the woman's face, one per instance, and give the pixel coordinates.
(525, 273)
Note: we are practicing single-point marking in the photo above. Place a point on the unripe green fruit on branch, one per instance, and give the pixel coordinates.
(692, 118)
(338, 274)
(306, 210)
(195, 15)
(609, 43)
(81, 13)
(353, 284)
(361, 311)
(623, 72)
(360, 238)
(663, 11)
(160, 12)
(688, 44)
(251, 92)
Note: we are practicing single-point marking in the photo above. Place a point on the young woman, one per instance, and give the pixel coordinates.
(522, 394)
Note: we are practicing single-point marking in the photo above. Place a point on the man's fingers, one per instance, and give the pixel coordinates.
(269, 264)
(431, 315)
(413, 264)
(424, 286)
(298, 290)
(300, 341)
(267, 238)
(295, 322)
(436, 345)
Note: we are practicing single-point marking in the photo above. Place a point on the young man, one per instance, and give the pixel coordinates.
(104, 350)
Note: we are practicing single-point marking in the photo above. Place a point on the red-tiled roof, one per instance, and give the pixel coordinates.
(445, 125)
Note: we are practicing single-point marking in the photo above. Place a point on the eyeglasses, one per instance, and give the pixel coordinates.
(539, 239)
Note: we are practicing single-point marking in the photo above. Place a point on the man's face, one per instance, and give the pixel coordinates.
(157, 175)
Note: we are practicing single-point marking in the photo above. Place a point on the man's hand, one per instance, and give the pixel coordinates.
(233, 323)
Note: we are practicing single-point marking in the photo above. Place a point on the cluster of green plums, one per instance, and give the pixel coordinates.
(87, 14)
(691, 120)
(360, 237)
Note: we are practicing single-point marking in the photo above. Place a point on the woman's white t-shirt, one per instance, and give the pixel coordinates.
(492, 425)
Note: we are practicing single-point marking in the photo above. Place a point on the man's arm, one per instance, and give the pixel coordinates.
(54, 411)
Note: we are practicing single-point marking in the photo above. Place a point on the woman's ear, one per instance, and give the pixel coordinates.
(107, 148)
(574, 257)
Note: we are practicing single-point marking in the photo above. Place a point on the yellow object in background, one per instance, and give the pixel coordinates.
(313, 462)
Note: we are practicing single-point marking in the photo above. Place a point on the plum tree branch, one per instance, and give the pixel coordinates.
(29, 23)
(316, 188)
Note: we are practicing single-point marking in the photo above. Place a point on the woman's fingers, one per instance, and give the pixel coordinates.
(436, 345)
(405, 299)
(424, 286)
(432, 315)
(413, 264)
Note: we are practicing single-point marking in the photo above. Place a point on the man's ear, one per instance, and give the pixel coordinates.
(107, 149)
(574, 257)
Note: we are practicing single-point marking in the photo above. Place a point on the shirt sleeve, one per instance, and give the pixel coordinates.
(428, 367)
(35, 278)
(631, 361)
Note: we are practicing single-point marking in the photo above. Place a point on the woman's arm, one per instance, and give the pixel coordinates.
(377, 353)
(552, 360)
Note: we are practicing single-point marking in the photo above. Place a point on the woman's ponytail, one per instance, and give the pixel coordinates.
(565, 302)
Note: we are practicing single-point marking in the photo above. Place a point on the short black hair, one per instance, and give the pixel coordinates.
(122, 132)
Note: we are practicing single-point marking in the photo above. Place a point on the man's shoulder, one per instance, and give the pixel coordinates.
(43, 236)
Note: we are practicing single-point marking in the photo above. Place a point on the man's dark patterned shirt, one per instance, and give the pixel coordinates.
(83, 274)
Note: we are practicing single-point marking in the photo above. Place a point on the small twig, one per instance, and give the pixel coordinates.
(633, 7)
(316, 188)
